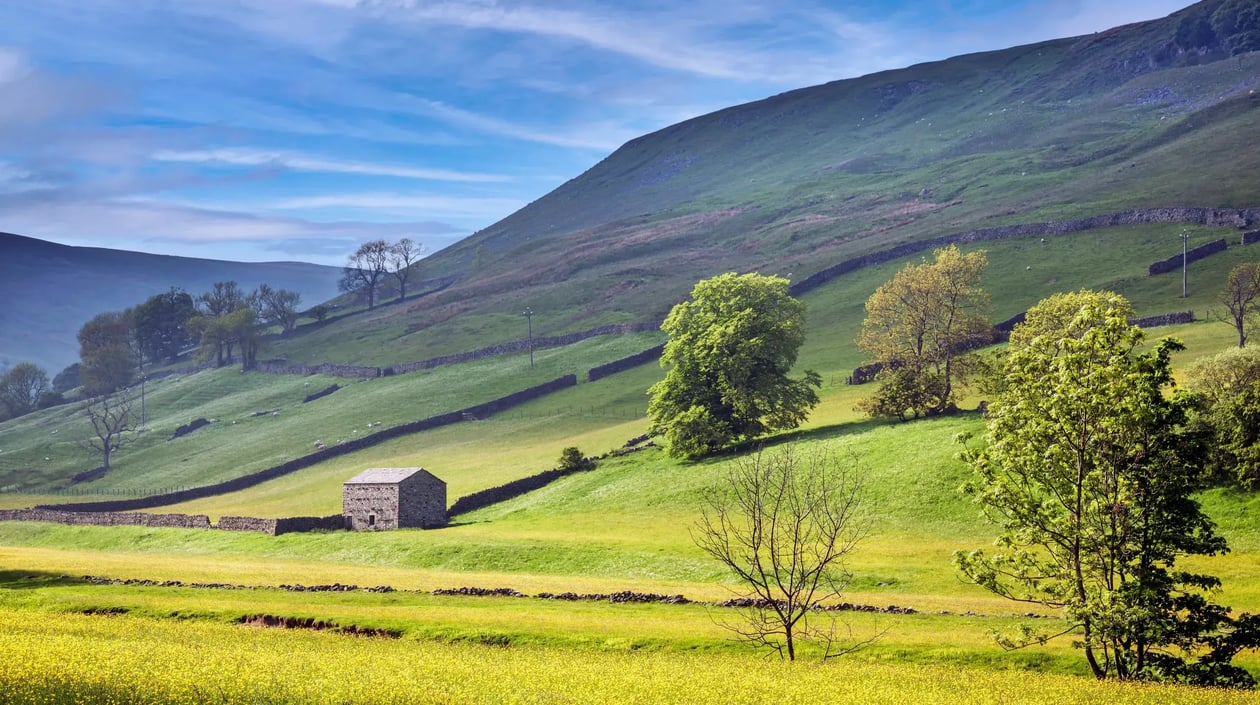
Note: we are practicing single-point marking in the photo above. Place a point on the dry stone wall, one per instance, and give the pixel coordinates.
(245, 481)
(523, 346)
(1172, 264)
(178, 521)
(1218, 217)
(625, 363)
(273, 527)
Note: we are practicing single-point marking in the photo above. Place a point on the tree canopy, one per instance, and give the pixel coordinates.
(917, 327)
(1090, 469)
(161, 325)
(1229, 384)
(107, 359)
(730, 349)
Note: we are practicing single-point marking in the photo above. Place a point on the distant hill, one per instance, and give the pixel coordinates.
(1154, 114)
(50, 290)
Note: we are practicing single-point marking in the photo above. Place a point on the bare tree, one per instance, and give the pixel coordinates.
(783, 522)
(278, 307)
(365, 268)
(402, 255)
(1239, 298)
(111, 418)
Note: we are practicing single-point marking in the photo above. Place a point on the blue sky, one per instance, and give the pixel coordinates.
(296, 129)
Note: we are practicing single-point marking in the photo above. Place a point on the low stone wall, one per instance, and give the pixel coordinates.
(523, 346)
(284, 525)
(1220, 217)
(178, 521)
(189, 428)
(625, 363)
(1173, 263)
(274, 527)
(506, 491)
(321, 393)
(246, 481)
(1165, 319)
(282, 367)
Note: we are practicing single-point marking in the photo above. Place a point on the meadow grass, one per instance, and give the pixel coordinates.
(128, 659)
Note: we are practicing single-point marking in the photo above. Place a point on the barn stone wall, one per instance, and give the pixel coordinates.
(370, 507)
(417, 502)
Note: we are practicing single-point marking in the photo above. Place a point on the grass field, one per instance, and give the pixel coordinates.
(624, 525)
(98, 659)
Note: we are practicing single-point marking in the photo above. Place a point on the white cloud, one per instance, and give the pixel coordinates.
(484, 210)
(241, 157)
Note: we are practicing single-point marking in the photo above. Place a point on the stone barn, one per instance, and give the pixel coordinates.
(393, 498)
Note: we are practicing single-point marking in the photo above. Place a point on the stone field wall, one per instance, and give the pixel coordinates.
(479, 411)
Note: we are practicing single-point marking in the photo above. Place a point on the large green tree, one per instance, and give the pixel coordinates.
(161, 325)
(107, 358)
(730, 349)
(1090, 469)
(22, 387)
(918, 326)
(1229, 384)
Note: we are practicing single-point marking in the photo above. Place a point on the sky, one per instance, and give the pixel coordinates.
(297, 129)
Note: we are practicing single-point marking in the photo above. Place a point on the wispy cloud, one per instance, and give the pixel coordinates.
(255, 158)
(405, 203)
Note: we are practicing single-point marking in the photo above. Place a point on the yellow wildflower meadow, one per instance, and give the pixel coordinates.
(58, 659)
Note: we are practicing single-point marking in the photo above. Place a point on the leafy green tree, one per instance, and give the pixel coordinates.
(918, 326)
(1229, 384)
(22, 387)
(572, 460)
(223, 299)
(1090, 470)
(1240, 297)
(730, 349)
(107, 359)
(319, 313)
(1237, 25)
(67, 379)
(161, 325)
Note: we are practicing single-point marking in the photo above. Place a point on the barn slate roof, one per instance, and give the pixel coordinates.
(387, 476)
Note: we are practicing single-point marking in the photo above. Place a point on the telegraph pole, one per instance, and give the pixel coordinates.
(1185, 238)
(529, 323)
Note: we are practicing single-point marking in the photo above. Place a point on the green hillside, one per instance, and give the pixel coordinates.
(1122, 119)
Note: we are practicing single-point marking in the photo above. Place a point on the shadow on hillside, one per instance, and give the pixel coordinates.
(827, 433)
(34, 579)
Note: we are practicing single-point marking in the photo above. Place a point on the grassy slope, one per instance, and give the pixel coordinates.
(628, 519)
(44, 449)
(798, 181)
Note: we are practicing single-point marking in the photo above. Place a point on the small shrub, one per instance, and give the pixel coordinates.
(571, 460)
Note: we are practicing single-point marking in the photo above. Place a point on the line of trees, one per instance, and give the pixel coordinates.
(226, 323)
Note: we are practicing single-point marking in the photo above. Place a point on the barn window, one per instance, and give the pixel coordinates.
(371, 520)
